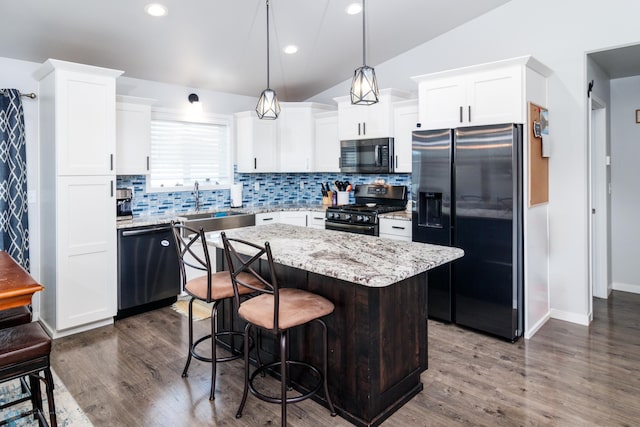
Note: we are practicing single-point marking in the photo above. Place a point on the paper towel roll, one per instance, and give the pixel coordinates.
(236, 195)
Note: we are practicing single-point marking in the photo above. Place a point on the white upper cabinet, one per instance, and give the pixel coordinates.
(478, 95)
(256, 143)
(327, 143)
(286, 144)
(84, 117)
(296, 135)
(133, 135)
(368, 121)
(405, 121)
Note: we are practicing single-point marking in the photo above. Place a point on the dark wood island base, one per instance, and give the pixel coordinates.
(377, 342)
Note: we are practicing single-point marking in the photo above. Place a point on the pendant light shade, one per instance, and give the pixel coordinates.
(268, 106)
(364, 86)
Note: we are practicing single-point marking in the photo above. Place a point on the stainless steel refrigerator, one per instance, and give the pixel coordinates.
(467, 192)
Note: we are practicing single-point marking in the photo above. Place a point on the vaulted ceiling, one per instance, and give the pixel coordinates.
(221, 44)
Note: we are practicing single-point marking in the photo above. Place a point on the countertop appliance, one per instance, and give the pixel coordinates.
(123, 204)
(467, 193)
(362, 217)
(148, 271)
(366, 155)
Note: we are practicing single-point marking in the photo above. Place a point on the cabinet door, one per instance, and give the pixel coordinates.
(395, 229)
(294, 218)
(495, 96)
(295, 140)
(315, 220)
(133, 138)
(256, 143)
(267, 218)
(86, 289)
(327, 144)
(85, 124)
(441, 103)
(405, 119)
(365, 121)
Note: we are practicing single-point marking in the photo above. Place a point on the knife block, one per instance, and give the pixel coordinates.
(328, 199)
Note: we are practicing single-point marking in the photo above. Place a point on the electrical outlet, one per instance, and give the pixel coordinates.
(256, 186)
(301, 184)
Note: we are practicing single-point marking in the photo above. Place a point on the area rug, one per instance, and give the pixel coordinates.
(68, 413)
(201, 310)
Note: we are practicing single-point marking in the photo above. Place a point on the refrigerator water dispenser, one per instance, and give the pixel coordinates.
(430, 209)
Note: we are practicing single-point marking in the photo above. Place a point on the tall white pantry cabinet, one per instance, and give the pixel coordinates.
(77, 178)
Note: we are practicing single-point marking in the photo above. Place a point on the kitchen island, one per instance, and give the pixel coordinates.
(378, 331)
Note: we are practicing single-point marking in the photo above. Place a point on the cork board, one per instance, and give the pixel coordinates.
(538, 165)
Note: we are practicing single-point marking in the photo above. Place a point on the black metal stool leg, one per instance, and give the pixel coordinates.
(186, 366)
(36, 395)
(325, 366)
(283, 376)
(48, 379)
(214, 332)
(247, 331)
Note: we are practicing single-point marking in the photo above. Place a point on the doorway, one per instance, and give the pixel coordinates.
(599, 202)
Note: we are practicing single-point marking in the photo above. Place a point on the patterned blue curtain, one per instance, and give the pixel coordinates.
(14, 224)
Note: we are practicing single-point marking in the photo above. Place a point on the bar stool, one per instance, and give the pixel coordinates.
(211, 287)
(24, 351)
(14, 316)
(275, 310)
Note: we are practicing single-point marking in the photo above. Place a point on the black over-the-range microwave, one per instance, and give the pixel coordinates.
(367, 155)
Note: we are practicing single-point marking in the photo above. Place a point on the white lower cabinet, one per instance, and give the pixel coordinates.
(396, 229)
(315, 220)
(294, 218)
(267, 218)
(85, 286)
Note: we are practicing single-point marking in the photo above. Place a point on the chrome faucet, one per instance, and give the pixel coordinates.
(196, 193)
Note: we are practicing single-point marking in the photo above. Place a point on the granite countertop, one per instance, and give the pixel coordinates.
(360, 259)
(402, 215)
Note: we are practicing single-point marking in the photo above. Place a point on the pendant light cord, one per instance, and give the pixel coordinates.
(268, 44)
(364, 59)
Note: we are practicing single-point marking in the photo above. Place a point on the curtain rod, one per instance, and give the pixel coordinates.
(28, 95)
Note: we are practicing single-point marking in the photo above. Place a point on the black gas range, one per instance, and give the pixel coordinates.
(371, 201)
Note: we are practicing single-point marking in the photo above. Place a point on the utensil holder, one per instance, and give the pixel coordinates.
(343, 197)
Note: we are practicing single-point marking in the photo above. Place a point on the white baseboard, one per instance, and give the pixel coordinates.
(626, 287)
(535, 328)
(567, 316)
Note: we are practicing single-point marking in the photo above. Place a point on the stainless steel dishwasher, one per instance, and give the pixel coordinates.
(148, 271)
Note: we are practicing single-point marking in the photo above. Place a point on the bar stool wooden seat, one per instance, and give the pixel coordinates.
(24, 351)
(275, 310)
(14, 316)
(211, 287)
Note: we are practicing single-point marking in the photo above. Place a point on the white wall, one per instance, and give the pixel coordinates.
(558, 33)
(625, 179)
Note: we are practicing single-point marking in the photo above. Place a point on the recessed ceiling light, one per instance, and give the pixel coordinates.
(354, 8)
(291, 49)
(156, 9)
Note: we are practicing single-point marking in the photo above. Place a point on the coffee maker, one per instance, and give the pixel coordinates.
(123, 204)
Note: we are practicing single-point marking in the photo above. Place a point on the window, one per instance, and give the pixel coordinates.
(185, 151)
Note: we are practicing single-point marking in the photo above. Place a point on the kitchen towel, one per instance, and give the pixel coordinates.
(236, 195)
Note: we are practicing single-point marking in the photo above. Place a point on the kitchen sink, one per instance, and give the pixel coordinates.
(216, 221)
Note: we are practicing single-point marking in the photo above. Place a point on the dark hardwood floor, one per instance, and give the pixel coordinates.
(566, 375)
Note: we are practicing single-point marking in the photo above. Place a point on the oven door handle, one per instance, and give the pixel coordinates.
(340, 226)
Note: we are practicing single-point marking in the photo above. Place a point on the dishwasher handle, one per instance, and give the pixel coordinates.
(144, 231)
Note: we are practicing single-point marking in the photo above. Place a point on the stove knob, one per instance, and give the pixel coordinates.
(347, 217)
(329, 215)
(366, 219)
(359, 218)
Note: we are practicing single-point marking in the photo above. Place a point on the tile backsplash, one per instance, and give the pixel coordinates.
(274, 189)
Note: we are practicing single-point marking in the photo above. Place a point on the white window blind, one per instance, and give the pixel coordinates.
(185, 152)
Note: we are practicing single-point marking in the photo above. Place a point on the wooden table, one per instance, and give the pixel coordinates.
(16, 285)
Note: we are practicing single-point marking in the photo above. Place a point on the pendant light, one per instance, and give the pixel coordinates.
(364, 86)
(268, 106)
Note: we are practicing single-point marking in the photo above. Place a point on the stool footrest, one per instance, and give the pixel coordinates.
(295, 399)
